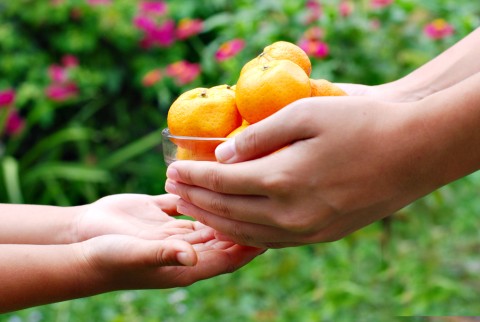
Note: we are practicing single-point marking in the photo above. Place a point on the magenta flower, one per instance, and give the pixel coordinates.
(183, 71)
(60, 92)
(189, 27)
(15, 123)
(152, 77)
(57, 73)
(345, 8)
(380, 3)
(69, 61)
(154, 34)
(229, 49)
(7, 97)
(438, 29)
(154, 8)
(314, 48)
(314, 9)
(314, 33)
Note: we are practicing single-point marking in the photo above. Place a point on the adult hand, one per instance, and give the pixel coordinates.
(137, 215)
(344, 163)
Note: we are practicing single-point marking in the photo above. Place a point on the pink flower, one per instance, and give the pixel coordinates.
(61, 92)
(314, 33)
(189, 27)
(161, 35)
(229, 49)
(314, 48)
(380, 3)
(375, 24)
(345, 8)
(57, 73)
(15, 123)
(152, 77)
(69, 61)
(154, 8)
(314, 9)
(98, 2)
(183, 71)
(7, 97)
(438, 29)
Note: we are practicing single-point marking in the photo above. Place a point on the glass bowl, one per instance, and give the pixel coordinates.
(177, 147)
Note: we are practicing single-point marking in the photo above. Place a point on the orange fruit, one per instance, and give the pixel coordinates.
(281, 50)
(192, 154)
(203, 112)
(322, 87)
(264, 89)
(239, 129)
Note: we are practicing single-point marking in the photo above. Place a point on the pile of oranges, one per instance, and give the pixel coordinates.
(277, 77)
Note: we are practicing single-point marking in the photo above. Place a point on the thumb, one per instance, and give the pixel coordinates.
(169, 253)
(267, 136)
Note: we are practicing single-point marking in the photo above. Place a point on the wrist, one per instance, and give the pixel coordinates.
(404, 90)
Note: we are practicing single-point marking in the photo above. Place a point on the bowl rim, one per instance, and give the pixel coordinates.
(166, 133)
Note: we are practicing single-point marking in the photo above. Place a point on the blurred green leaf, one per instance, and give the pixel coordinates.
(12, 180)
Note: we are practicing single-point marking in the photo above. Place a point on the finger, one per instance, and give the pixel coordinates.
(221, 261)
(171, 253)
(195, 237)
(167, 203)
(267, 136)
(252, 209)
(243, 233)
(240, 179)
(353, 89)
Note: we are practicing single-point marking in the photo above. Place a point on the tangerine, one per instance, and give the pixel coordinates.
(322, 87)
(203, 112)
(264, 89)
(281, 50)
(239, 129)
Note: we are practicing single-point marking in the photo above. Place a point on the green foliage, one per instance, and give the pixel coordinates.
(106, 139)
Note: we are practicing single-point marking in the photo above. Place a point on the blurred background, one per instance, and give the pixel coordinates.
(85, 86)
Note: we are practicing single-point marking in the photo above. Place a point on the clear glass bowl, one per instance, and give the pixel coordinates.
(177, 147)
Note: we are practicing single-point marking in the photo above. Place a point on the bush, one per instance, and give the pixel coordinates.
(93, 79)
(85, 86)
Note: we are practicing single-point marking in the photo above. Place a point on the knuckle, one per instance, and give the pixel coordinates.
(213, 180)
(250, 142)
(279, 183)
(218, 206)
(240, 235)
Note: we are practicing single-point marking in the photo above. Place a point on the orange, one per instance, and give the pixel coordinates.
(264, 89)
(322, 87)
(187, 154)
(282, 50)
(239, 129)
(203, 112)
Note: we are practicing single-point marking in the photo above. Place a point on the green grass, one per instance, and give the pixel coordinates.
(423, 262)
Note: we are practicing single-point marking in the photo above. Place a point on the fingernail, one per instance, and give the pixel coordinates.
(172, 173)
(225, 151)
(170, 187)
(185, 259)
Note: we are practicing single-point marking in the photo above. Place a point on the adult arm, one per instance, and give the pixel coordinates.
(347, 162)
(447, 69)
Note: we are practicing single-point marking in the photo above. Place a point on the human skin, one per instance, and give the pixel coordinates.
(346, 161)
(50, 254)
